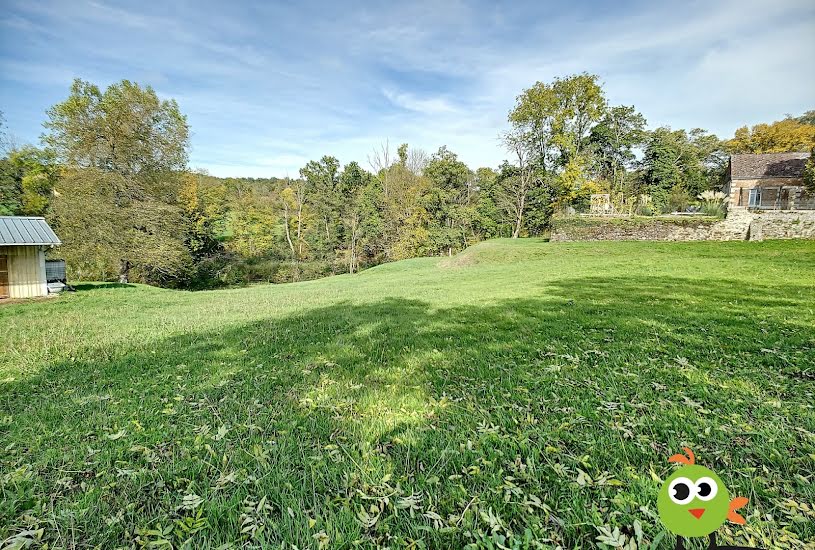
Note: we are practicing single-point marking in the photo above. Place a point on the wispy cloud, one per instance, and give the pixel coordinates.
(268, 86)
(427, 106)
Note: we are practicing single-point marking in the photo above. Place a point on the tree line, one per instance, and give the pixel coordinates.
(112, 176)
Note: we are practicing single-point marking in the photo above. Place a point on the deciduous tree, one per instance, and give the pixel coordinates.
(781, 136)
(126, 129)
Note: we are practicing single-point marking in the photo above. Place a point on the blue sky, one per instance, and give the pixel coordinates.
(267, 86)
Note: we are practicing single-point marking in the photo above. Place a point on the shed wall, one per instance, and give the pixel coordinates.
(26, 271)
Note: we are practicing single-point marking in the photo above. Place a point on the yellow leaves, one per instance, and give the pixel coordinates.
(118, 435)
(412, 503)
(222, 431)
(191, 502)
(779, 137)
(322, 539)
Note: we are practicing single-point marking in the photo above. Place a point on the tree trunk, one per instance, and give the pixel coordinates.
(286, 222)
(519, 220)
(300, 229)
(124, 271)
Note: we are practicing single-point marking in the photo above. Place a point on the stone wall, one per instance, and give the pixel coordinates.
(782, 224)
(740, 224)
(662, 228)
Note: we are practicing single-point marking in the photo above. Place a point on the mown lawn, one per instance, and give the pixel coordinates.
(522, 393)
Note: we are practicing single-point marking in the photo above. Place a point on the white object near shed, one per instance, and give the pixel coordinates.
(23, 242)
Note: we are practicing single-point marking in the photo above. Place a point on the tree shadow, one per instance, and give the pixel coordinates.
(376, 419)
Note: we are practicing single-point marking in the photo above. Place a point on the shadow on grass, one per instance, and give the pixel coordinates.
(397, 420)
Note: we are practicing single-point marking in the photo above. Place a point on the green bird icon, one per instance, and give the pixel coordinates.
(693, 502)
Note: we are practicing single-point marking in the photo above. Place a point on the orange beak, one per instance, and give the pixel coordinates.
(697, 512)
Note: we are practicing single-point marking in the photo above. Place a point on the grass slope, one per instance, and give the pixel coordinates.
(524, 393)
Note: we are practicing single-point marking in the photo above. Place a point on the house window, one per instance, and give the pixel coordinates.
(755, 197)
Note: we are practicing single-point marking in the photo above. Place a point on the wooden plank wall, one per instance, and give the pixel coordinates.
(26, 271)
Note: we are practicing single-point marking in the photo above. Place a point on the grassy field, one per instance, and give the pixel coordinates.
(522, 394)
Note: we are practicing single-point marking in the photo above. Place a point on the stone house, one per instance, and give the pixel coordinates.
(770, 181)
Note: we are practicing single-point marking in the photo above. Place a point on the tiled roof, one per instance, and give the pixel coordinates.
(23, 230)
(768, 165)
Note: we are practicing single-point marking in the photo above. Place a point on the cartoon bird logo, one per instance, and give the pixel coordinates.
(694, 502)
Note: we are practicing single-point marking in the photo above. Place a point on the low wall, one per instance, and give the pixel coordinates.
(662, 228)
(740, 224)
(782, 224)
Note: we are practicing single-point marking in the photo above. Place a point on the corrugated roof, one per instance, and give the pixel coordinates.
(768, 165)
(26, 230)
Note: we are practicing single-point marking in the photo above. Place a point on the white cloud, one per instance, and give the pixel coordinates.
(427, 106)
(268, 86)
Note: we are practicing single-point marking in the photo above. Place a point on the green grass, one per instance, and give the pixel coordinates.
(523, 392)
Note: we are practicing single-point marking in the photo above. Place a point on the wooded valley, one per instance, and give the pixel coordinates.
(113, 178)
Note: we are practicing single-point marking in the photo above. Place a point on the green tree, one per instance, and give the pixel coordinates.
(491, 220)
(322, 179)
(614, 139)
(133, 146)
(355, 206)
(204, 205)
(678, 165)
(109, 227)
(27, 179)
(449, 200)
(550, 136)
(126, 129)
(555, 119)
(807, 118)
(253, 224)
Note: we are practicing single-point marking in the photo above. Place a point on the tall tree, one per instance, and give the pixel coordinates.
(128, 132)
(322, 178)
(781, 136)
(108, 226)
(807, 118)
(352, 183)
(27, 177)
(680, 163)
(516, 187)
(614, 139)
(125, 129)
(449, 201)
(554, 119)
(551, 125)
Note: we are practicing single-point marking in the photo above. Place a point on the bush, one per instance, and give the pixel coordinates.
(713, 203)
(678, 200)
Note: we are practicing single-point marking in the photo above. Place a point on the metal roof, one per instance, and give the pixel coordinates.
(26, 231)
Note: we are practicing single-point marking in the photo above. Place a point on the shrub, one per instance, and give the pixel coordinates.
(713, 203)
(678, 200)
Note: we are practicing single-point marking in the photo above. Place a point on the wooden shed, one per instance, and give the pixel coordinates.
(23, 242)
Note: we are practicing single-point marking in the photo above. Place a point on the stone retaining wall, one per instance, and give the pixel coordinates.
(782, 224)
(632, 229)
(740, 224)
